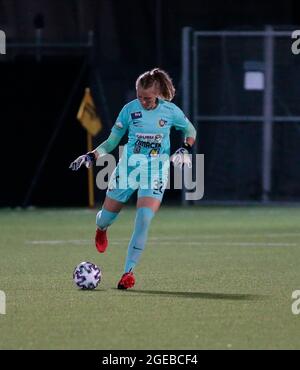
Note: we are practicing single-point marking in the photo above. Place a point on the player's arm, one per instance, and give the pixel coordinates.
(108, 145)
(117, 132)
(181, 156)
(91, 157)
(190, 134)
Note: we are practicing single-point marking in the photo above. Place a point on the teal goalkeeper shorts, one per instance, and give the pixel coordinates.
(122, 190)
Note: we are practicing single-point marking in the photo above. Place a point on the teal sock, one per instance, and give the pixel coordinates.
(138, 240)
(105, 218)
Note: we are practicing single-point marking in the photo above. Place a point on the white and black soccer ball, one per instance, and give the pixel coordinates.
(87, 275)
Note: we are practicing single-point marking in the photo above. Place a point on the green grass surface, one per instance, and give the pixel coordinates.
(210, 278)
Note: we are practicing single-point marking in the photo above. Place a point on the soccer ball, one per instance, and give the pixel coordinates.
(87, 275)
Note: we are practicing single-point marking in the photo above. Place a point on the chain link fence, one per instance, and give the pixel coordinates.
(242, 91)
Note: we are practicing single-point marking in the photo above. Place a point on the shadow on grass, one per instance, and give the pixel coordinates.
(201, 295)
(97, 290)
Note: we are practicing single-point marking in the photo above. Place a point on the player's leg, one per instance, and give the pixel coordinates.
(106, 217)
(116, 197)
(147, 206)
(146, 209)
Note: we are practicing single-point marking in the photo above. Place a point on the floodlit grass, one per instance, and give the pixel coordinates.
(210, 278)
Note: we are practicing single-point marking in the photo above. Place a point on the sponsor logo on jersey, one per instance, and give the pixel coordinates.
(137, 124)
(148, 141)
(157, 138)
(144, 144)
(154, 152)
(136, 115)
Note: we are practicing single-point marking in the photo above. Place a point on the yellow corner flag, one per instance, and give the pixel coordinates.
(87, 114)
(89, 119)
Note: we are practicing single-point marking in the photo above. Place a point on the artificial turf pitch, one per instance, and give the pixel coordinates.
(209, 278)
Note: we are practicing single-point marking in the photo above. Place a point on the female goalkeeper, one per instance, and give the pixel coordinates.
(148, 120)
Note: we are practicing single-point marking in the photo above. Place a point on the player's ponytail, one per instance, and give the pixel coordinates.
(159, 78)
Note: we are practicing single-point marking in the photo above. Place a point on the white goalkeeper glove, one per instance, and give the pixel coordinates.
(87, 159)
(182, 156)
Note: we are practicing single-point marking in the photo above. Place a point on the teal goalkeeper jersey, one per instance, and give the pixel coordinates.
(149, 130)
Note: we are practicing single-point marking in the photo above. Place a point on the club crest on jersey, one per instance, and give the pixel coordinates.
(136, 115)
(162, 122)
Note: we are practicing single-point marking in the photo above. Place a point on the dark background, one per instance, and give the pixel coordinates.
(40, 92)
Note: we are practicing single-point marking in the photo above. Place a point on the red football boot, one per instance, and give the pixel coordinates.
(127, 281)
(101, 240)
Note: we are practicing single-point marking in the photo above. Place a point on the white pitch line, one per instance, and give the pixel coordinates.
(243, 244)
(222, 236)
(57, 242)
(190, 239)
(164, 242)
